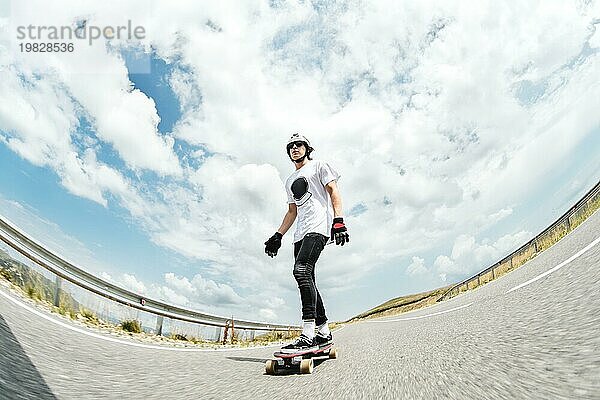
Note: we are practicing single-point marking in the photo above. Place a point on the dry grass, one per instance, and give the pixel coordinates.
(89, 316)
(584, 212)
(402, 304)
(131, 325)
(276, 336)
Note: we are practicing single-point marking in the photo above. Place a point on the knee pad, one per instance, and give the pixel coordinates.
(301, 271)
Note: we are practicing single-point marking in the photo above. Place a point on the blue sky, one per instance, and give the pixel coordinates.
(455, 142)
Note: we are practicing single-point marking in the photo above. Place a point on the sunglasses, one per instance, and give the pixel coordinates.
(297, 144)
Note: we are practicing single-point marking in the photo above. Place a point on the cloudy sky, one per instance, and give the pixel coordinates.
(459, 130)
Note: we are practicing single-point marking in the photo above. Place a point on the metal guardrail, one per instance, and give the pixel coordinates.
(526, 251)
(65, 270)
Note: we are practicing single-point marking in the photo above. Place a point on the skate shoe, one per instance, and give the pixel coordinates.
(300, 344)
(320, 340)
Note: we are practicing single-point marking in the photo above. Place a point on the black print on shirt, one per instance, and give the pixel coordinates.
(300, 191)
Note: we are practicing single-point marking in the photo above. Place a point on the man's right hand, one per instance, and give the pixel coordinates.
(273, 244)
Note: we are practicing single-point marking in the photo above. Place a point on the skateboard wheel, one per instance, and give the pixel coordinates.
(306, 366)
(333, 353)
(271, 367)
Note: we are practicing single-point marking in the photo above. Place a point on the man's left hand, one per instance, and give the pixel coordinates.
(339, 232)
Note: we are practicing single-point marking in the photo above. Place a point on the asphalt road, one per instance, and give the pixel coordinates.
(540, 341)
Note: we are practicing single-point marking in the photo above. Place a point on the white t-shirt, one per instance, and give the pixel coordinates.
(306, 188)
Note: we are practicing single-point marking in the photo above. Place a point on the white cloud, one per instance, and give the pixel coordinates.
(202, 291)
(443, 262)
(594, 41)
(171, 296)
(36, 121)
(499, 216)
(106, 276)
(267, 314)
(463, 245)
(130, 282)
(470, 256)
(417, 267)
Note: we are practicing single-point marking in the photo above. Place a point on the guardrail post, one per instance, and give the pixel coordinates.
(159, 325)
(232, 331)
(225, 332)
(57, 291)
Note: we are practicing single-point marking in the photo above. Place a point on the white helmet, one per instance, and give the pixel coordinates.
(296, 137)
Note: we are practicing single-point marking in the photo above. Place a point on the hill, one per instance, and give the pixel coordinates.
(402, 304)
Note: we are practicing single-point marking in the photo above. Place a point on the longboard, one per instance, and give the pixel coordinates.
(301, 359)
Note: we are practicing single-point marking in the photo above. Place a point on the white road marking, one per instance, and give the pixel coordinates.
(110, 339)
(423, 316)
(559, 266)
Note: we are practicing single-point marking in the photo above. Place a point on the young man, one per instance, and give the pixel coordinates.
(314, 198)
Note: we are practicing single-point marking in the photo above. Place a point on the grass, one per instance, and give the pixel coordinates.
(131, 325)
(36, 286)
(275, 336)
(335, 325)
(196, 340)
(89, 316)
(33, 293)
(178, 336)
(584, 212)
(187, 338)
(402, 304)
(4, 273)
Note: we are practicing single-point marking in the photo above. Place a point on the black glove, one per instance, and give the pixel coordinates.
(339, 231)
(273, 244)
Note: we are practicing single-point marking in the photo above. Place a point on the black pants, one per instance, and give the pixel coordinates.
(306, 254)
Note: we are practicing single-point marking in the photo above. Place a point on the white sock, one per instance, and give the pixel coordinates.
(308, 328)
(323, 329)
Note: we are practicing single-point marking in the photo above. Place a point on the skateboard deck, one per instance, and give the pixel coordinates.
(302, 360)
